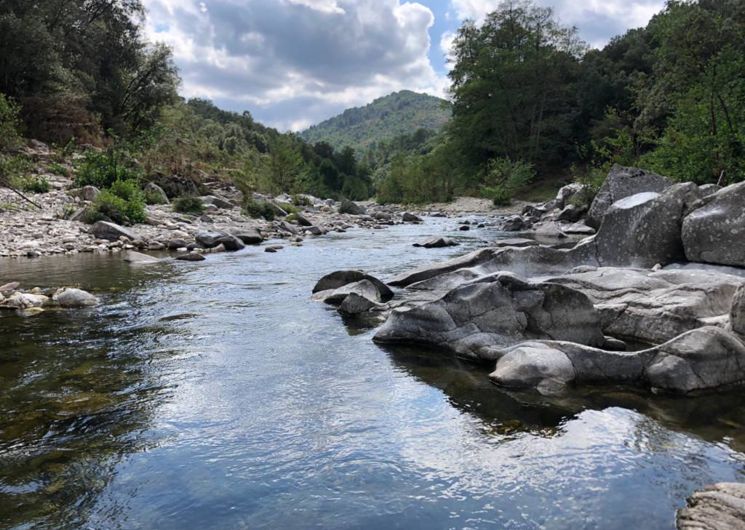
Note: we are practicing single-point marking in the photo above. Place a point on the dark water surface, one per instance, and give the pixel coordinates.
(217, 395)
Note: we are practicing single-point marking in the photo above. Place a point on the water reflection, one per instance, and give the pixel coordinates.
(78, 390)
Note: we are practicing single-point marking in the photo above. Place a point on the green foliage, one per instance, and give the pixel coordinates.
(9, 124)
(383, 119)
(505, 178)
(124, 204)
(58, 169)
(258, 209)
(192, 205)
(36, 185)
(102, 169)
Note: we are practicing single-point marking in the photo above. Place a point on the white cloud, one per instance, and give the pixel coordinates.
(295, 62)
(597, 20)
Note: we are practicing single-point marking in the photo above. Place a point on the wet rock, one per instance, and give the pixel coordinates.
(437, 242)
(19, 300)
(515, 242)
(514, 223)
(714, 232)
(464, 228)
(111, 231)
(191, 256)
(409, 217)
(356, 304)
(137, 258)
(74, 298)
(338, 279)
(208, 239)
(9, 288)
(273, 248)
(623, 182)
(231, 243)
(496, 312)
(363, 288)
(716, 507)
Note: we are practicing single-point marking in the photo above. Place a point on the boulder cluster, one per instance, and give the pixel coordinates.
(654, 298)
(36, 300)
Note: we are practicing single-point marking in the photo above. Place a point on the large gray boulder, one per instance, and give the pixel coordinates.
(249, 236)
(437, 242)
(499, 311)
(643, 306)
(363, 288)
(336, 280)
(74, 298)
(351, 208)
(716, 507)
(643, 230)
(623, 182)
(111, 231)
(715, 231)
(704, 359)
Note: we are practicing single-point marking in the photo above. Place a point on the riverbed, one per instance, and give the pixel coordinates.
(218, 395)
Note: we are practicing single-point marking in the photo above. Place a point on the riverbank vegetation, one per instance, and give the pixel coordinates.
(532, 107)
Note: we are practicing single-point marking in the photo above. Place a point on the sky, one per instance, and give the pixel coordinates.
(294, 63)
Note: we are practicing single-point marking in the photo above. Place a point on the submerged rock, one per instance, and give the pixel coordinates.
(437, 242)
(137, 258)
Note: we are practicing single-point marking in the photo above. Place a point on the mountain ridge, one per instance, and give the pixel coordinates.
(387, 117)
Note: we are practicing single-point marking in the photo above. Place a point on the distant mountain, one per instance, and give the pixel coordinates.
(385, 118)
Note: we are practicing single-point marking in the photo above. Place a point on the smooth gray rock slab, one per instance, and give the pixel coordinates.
(498, 311)
(249, 237)
(437, 242)
(715, 231)
(716, 507)
(338, 279)
(74, 298)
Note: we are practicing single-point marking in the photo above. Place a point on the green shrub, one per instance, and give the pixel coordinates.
(188, 205)
(9, 124)
(301, 201)
(123, 203)
(505, 178)
(499, 196)
(36, 185)
(102, 169)
(258, 209)
(59, 169)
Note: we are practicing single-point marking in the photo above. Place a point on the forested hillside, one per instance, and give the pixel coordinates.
(531, 100)
(382, 120)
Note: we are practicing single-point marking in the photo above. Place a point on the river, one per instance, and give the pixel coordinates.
(218, 395)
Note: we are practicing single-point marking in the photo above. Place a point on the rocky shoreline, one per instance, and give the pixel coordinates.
(655, 298)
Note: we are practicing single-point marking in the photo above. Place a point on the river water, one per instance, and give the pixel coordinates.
(218, 395)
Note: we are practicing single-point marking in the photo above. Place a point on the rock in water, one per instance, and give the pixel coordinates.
(623, 182)
(137, 258)
(355, 304)
(24, 301)
(338, 279)
(74, 298)
(111, 231)
(208, 239)
(715, 231)
(191, 256)
(437, 242)
(408, 217)
(501, 310)
(717, 507)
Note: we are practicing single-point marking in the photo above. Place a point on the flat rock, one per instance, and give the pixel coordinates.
(437, 242)
(338, 279)
(111, 231)
(138, 258)
(74, 298)
(716, 507)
